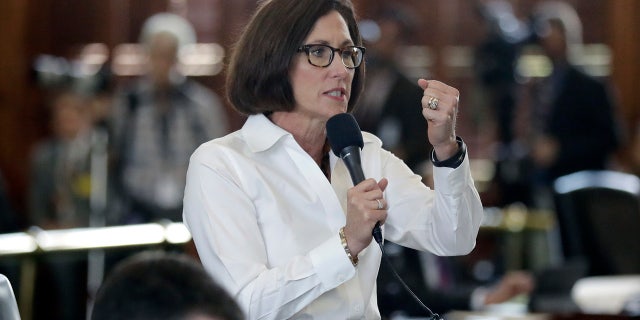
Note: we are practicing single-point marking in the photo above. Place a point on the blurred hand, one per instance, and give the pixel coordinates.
(511, 285)
(545, 151)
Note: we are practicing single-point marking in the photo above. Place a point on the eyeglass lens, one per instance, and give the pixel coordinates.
(322, 55)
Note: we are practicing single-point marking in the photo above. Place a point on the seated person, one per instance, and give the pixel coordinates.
(159, 285)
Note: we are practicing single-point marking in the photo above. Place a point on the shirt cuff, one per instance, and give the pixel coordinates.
(331, 263)
(455, 160)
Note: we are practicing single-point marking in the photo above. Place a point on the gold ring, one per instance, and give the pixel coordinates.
(380, 206)
(433, 103)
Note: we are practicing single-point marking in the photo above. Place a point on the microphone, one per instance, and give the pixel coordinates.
(345, 139)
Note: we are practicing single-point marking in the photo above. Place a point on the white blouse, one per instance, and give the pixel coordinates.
(265, 222)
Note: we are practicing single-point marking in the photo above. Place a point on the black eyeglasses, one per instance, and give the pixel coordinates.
(321, 55)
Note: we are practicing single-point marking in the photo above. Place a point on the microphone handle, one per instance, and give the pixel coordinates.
(351, 157)
(377, 233)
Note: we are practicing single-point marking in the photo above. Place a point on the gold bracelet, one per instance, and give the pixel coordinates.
(343, 239)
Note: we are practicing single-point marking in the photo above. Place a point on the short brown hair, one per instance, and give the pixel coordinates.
(258, 74)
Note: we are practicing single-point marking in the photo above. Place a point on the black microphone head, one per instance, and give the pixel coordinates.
(343, 131)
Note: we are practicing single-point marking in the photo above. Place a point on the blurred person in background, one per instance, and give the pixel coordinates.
(60, 178)
(158, 121)
(154, 285)
(59, 198)
(68, 186)
(390, 102)
(572, 125)
(502, 37)
(573, 120)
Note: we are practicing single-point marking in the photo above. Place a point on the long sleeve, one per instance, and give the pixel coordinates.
(444, 221)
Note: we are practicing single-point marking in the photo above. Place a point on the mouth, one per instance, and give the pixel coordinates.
(336, 93)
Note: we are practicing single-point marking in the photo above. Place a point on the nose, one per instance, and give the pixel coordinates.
(337, 67)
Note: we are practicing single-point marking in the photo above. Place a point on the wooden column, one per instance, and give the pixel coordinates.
(624, 27)
(14, 138)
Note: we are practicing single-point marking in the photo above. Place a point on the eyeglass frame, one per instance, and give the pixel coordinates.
(305, 48)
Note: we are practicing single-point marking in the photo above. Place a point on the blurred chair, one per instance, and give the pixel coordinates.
(8, 304)
(599, 220)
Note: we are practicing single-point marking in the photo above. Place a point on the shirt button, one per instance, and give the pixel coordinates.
(357, 308)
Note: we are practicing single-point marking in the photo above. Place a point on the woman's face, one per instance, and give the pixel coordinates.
(323, 92)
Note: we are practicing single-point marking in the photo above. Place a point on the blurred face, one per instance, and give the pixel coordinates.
(69, 118)
(390, 39)
(554, 43)
(323, 92)
(163, 50)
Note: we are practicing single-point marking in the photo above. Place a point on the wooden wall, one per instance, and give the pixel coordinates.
(623, 21)
(16, 127)
(32, 27)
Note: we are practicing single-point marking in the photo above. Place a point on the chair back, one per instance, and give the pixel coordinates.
(599, 220)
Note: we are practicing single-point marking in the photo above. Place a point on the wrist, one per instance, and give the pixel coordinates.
(454, 160)
(447, 149)
(352, 257)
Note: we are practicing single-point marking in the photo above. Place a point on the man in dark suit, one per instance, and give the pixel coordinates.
(574, 124)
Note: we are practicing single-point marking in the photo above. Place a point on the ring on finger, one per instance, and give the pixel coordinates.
(433, 103)
(380, 206)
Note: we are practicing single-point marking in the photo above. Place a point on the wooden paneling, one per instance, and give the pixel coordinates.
(624, 28)
(14, 138)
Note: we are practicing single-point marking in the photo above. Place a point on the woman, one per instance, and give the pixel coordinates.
(273, 213)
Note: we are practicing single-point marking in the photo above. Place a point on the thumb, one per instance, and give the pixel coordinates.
(383, 183)
(423, 83)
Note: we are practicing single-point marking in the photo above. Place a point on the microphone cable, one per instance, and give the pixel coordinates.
(432, 315)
